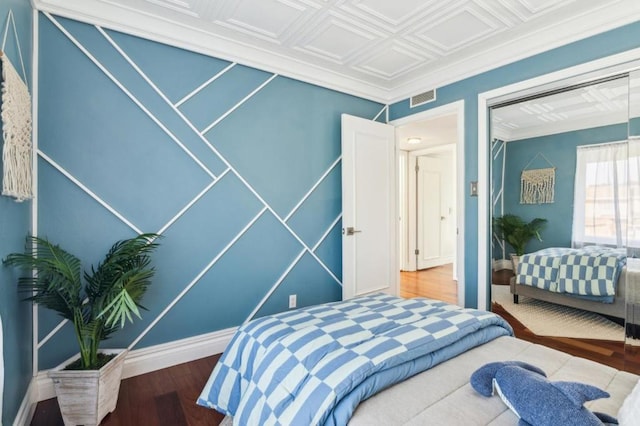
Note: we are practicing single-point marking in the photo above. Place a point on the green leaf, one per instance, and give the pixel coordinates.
(516, 231)
(114, 288)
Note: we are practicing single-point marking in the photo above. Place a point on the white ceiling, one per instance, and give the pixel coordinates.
(380, 49)
(432, 132)
(591, 106)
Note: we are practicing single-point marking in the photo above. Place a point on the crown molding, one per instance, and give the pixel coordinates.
(189, 38)
(465, 64)
(547, 129)
(560, 34)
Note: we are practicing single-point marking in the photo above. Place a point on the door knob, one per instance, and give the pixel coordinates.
(350, 230)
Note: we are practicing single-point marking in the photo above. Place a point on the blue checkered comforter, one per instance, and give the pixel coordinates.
(314, 365)
(591, 271)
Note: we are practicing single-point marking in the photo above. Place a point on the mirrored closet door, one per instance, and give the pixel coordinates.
(560, 208)
(632, 348)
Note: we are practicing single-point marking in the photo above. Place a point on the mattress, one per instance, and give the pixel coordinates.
(443, 395)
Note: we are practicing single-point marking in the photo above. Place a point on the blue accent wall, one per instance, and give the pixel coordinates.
(605, 44)
(243, 178)
(560, 149)
(15, 224)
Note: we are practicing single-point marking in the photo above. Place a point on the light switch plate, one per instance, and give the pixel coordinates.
(474, 188)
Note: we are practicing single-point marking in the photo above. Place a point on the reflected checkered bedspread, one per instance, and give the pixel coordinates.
(591, 271)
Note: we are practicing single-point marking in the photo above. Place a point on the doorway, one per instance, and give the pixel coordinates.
(431, 235)
(435, 207)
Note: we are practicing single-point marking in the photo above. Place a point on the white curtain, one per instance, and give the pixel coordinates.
(601, 192)
(633, 221)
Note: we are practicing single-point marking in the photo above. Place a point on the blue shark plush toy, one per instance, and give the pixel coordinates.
(536, 400)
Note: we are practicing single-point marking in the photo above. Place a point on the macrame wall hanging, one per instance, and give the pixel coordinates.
(537, 186)
(16, 128)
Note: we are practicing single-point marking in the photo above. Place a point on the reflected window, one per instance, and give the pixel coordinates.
(606, 196)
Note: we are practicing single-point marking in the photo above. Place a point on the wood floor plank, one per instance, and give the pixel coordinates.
(169, 409)
(609, 353)
(587, 346)
(47, 414)
(435, 283)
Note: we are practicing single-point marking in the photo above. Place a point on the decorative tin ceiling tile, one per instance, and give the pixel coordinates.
(341, 44)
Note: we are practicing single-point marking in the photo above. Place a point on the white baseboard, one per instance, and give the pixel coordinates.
(500, 264)
(141, 361)
(28, 405)
(146, 360)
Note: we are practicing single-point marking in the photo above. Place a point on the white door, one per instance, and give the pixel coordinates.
(435, 219)
(369, 205)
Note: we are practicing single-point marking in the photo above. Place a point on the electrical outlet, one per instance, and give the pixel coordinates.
(293, 301)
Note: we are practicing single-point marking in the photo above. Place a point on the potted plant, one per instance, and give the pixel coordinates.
(517, 232)
(87, 388)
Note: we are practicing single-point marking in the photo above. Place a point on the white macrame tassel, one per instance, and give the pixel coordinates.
(16, 131)
(537, 186)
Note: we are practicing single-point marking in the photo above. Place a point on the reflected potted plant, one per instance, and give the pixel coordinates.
(517, 232)
(87, 386)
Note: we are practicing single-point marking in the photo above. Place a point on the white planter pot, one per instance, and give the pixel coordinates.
(85, 397)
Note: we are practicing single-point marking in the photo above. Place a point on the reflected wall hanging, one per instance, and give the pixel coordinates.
(537, 186)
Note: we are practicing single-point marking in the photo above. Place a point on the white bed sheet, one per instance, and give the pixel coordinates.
(443, 395)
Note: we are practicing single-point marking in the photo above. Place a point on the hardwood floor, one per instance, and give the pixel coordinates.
(435, 283)
(611, 353)
(501, 277)
(162, 398)
(167, 397)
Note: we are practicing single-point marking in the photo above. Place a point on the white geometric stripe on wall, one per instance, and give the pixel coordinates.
(11, 23)
(197, 278)
(313, 188)
(305, 248)
(128, 93)
(385, 110)
(235, 107)
(89, 192)
(202, 86)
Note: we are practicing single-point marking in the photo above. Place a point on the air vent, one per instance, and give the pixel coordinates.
(423, 98)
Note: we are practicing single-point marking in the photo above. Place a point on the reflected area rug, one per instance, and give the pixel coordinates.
(549, 319)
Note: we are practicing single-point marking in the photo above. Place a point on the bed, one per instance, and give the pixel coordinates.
(381, 360)
(592, 278)
(443, 395)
